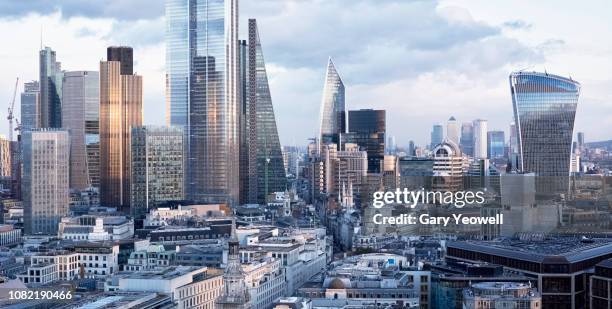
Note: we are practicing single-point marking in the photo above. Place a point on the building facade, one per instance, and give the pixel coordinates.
(30, 105)
(81, 118)
(202, 94)
(480, 138)
(333, 112)
(367, 129)
(45, 181)
(157, 167)
(50, 77)
(544, 111)
(262, 170)
(496, 144)
(120, 110)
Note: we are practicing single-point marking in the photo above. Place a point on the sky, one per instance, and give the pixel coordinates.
(421, 60)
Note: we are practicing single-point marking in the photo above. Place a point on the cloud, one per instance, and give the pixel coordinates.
(517, 25)
(116, 9)
(137, 33)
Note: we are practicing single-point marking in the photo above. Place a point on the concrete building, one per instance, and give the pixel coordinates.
(98, 259)
(448, 167)
(49, 267)
(45, 180)
(9, 235)
(189, 287)
(486, 295)
(480, 138)
(157, 167)
(96, 228)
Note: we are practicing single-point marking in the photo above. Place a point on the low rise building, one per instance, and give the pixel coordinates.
(486, 295)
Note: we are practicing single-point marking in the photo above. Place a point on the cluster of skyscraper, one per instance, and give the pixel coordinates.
(85, 127)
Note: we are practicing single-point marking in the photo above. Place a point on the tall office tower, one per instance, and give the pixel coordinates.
(235, 291)
(467, 138)
(367, 129)
(480, 139)
(496, 144)
(437, 135)
(452, 130)
(580, 140)
(261, 154)
(157, 167)
(123, 54)
(45, 179)
(333, 112)
(202, 94)
(50, 89)
(81, 117)
(544, 111)
(30, 106)
(120, 110)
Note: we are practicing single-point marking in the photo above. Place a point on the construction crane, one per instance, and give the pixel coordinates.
(10, 111)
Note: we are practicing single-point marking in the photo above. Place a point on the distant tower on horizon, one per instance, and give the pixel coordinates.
(333, 109)
(480, 138)
(120, 110)
(437, 135)
(50, 78)
(452, 130)
(467, 138)
(496, 144)
(544, 111)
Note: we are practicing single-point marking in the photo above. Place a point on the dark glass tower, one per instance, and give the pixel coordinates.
(261, 154)
(544, 111)
(367, 129)
(50, 90)
(123, 54)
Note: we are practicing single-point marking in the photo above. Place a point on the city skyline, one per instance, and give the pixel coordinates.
(499, 44)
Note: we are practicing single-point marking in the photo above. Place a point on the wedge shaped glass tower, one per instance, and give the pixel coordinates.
(202, 94)
(544, 112)
(265, 172)
(333, 112)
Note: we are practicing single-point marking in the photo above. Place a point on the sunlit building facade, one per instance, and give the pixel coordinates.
(120, 110)
(544, 111)
(333, 112)
(202, 94)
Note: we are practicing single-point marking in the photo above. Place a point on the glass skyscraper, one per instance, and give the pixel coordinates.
(480, 138)
(261, 158)
(333, 113)
(437, 135)
(367, 128)
(30, 106)
(202, 94)
(544, 111)
(496, 144)
(467, 138)
(81, 118)
(50, 89)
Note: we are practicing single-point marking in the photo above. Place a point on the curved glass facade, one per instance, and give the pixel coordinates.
(544, 112)
(333, 115)
(201, 93)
